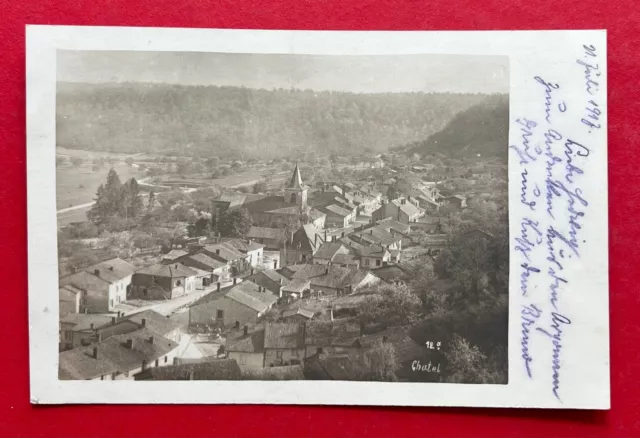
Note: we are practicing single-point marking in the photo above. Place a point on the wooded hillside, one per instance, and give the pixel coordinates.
(234, 122)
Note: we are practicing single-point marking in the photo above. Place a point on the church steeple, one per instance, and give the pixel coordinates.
(295, 190)
(296, 180)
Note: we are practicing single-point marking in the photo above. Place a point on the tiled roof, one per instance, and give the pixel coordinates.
(244, 246)
(296, 285)
(247, 293)
(85, 281)
(331, 333)
(174, 254)
(223, 369)
(283, 335)
(112, 270)
(171, 271)
(71, 288)
(83, 321)
(252, 343)
(223, 251)
(329, 367)
(264, 233)
(304, 271)
(113, 355)
(346, 259)
(328, 250)
(205, 260)
(298, 311)
(392, 224)
(154, 321)
(338, 277)
(336, 210)
(288, 210)
(408, 208)
(373, 251)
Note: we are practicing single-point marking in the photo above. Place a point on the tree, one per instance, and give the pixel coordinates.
(131, 201)
(151, 201)
(77, 161)
(81, 259)
(465, 362)
(217, 173)
(237, 165)
(390, 303)
(382, 362)
(213, 163)
(234, 223)
(260, 186)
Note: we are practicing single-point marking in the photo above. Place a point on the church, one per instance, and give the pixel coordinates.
(274, 211)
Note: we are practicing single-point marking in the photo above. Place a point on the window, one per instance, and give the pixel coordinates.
(126, 374)
(113, 376)
(319, 350)
(101, 377)
(166, 358)
(377, 262)
(294, 352)
(144, 291)
(178, 283)
(279, 354)
(219, 314)
(157, 362)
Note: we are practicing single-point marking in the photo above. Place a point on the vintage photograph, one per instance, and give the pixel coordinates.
(232, 216)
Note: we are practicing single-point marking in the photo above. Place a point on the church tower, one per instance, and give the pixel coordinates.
(295, 191)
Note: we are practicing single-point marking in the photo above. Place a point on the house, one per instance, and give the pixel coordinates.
(300, 248)
(78, 329)
(241, 304)
(120, 357)
(346, 261)
(236, 261)
(283, 344)
(374, 256)
(271, 238)
(270, 279)
(247, 351)
(163, 282)
(430, 205)
(378, 235)
(103, 285)
(331, 280)
(173, 256)
(399, 209)
(457, 202)
(338, 337)
(327, 252)
(297, 315)
(221, 369)
(336, 215)
(69, 299)
(294, 289)
(148, 319)
(217, 270)
(253, 251)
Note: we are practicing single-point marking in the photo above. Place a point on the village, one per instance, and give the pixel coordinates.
(355, 274)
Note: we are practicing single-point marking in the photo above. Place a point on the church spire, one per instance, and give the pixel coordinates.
(296, 179)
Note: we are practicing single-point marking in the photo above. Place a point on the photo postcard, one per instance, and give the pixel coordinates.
(294, 217)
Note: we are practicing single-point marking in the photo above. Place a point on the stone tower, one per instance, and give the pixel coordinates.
(295, 192)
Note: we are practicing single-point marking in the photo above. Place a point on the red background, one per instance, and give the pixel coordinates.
(619, 17)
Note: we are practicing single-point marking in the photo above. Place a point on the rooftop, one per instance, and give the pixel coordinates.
(85, 321)
(223, 369)
(174, 254)
(283, 335)
(251, 343)
(264, 233)
(328, 250)
(114, 355)
(112, 270)
(244, 245)
(206, 260)
(170, 271)
(248, 294)
(298, 311)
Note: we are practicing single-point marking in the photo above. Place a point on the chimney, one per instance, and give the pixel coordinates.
(130, 344)
(95, 353)
(235, 280)
(97, 272)
(218, 287)
(151, 340)
(275, 264)
(144, 322)
(246, 330)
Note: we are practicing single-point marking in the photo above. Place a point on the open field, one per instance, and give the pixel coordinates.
(76, 186)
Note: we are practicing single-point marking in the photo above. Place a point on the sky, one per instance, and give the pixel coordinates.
(358, 74)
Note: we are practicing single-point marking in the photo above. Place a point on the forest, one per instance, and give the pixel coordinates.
(480, 129)
(242, 123)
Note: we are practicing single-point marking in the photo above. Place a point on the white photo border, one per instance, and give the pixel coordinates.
(586, 362)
